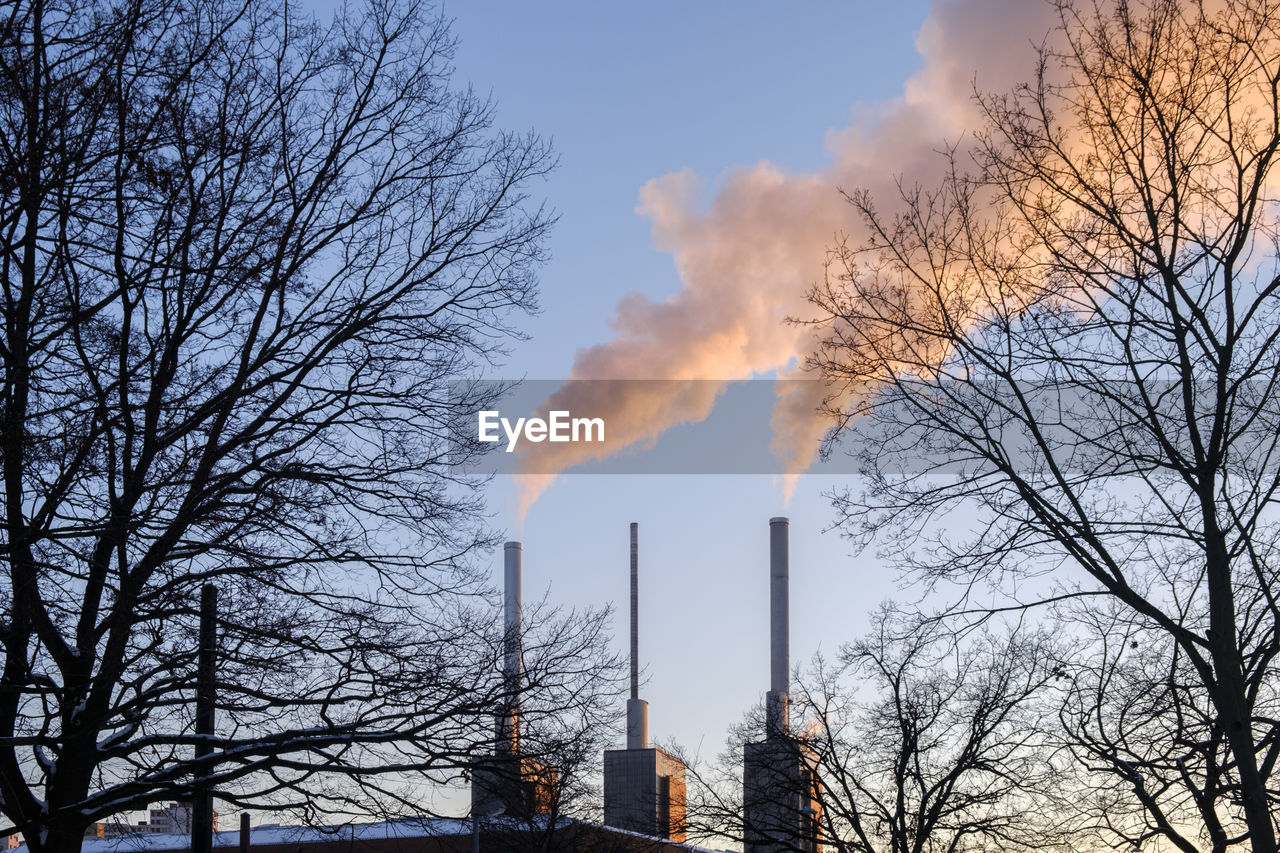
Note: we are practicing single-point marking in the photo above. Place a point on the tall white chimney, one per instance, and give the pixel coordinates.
(637, 708)
(513, 652)
(776, 710)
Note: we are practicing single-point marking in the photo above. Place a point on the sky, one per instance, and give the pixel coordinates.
(701, 149)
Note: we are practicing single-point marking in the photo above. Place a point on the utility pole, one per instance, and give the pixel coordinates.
(206, 664)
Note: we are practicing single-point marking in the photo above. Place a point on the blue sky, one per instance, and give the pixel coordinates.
(629, 93)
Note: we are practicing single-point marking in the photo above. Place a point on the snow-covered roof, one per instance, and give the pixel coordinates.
(141, 842)
(135, 842)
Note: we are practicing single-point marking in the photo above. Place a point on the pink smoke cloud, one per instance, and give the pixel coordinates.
(747, 260)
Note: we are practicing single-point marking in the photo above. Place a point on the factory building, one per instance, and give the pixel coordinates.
(509, 782)
(644, 787)
(781, 808)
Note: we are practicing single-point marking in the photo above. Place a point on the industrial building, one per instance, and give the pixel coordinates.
(781, 807)
(513, 795)
(644, 787)
(508, 782)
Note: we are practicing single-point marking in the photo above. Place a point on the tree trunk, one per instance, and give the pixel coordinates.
(60, 838)
(1229, 694)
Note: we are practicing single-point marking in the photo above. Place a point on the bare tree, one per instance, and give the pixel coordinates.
(241, 252)
(928, 744)
(1075, 346)
(1151, 758)
(557, 768)
(920, 742)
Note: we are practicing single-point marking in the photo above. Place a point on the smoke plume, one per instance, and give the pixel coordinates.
(747, 260)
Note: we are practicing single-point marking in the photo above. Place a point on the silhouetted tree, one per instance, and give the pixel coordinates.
(921, 742)
(241, 253)
(927, 743)
(1151, 759)
(1075, 346)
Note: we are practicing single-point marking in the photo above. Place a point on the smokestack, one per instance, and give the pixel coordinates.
(637, 708)
(635, 610)
(509, 730)
(776, 710)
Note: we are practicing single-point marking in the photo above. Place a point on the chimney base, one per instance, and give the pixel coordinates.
(637, 724)
(781, 809)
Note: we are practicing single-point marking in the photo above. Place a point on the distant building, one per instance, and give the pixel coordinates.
(644, 792)
(512, 785)
(115, 827)
(781, 812)
(644, 787)
(509, 782)
(173, 819)
(781, 809)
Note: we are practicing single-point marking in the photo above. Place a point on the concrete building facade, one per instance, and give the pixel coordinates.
(781, 806)
(644, 792)
(508, 782)
(512, 785)
(644, 787)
